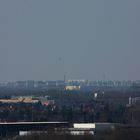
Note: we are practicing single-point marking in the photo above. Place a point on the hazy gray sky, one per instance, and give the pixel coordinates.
(83, 39)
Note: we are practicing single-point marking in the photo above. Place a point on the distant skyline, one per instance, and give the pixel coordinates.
(82, 39)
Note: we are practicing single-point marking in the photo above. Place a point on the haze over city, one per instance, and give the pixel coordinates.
(77, 38)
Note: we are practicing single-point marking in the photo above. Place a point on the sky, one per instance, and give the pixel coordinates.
(82, 39)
